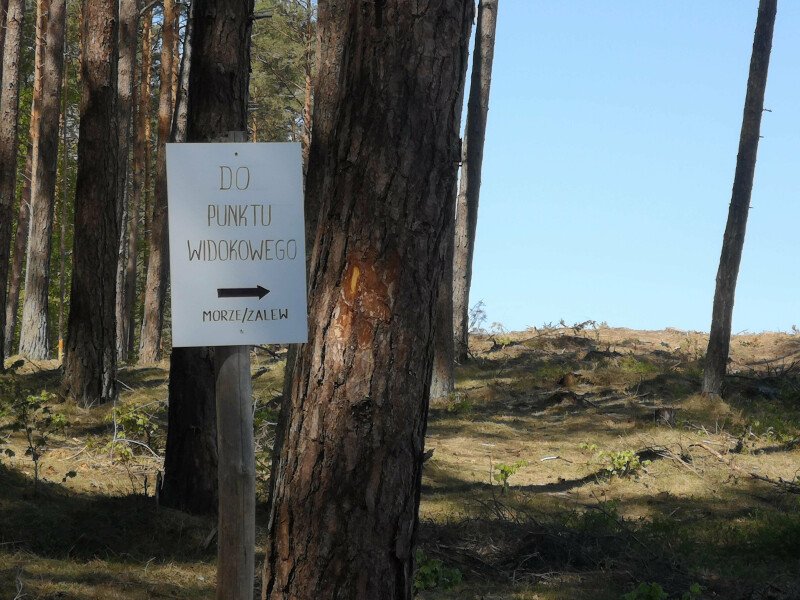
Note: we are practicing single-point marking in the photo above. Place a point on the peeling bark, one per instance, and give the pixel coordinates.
(346, 484)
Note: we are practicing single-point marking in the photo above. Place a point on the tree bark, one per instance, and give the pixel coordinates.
(346, 486)
(190, 465)
(18, 255)
(21, 239)
(190, 458)
(472, 163)
(139, 179)
(34, 332)
(62, 251)
(90, 362)
(733, 239)
(3, 13)
(9, 111)
(158, 241)
(128, 28)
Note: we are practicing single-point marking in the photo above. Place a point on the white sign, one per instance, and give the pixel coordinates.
(236, 244)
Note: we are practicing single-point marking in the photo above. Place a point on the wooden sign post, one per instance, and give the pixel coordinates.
(236, 466)
(237, 266)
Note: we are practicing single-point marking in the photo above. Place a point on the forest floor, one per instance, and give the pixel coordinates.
(571, 463)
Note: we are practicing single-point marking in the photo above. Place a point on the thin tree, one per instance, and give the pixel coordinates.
(18, 253)
(733, 239)
(90, 361)
(443, 372)
(128, 27)
(34, 333)
(139, 180)
(158, 263)
(347, 467)
(472, 163)
(9, 112)
(62, 241)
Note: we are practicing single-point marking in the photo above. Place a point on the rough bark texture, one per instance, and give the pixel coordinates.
(34, 333)
(9, 110)
(18, 255)
(128, 27)
(190, 458)
(217, 101)
(733, 239)
(472, 162)
(158, 241)
(139, 188)
(21, 238)
(346, 485)
(90, 362)
(3, 12)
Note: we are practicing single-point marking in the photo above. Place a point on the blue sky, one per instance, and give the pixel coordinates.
(610, 152)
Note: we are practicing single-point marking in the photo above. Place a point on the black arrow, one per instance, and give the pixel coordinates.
(242, 292)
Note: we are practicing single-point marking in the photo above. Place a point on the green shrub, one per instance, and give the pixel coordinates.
(432, 573)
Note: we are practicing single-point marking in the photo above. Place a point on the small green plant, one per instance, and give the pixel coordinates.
(695, 592)
(587, 447)
(34, 417)
(459, 403)
(646, 591)
(624, 463)
(432, 573)
(135, 423)
(505, 471)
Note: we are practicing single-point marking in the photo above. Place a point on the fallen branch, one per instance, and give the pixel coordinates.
(787, 486)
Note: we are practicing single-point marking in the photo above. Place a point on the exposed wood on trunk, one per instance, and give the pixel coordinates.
(733, 239)
(90, 361)
(34, 332)
(9, 111)
(158, 257)
(382, 166)
(128, 27)
(470, 184)
(18, 254)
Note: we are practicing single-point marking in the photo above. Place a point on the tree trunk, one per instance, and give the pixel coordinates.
(18, 255)
(158, 242)
(139, 188)
(3, 13)
(34, 334)
(128, 28)
(190, 458)
(90, 362)
(9, 111)
(472, 162)
(733, 240)
(62, 251)
(190, 463)
(347, 474)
